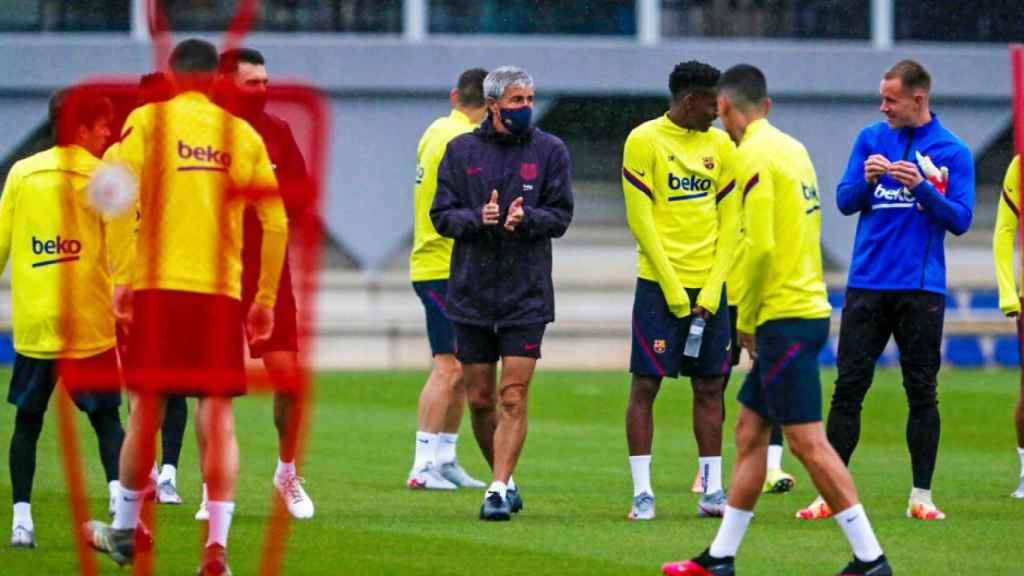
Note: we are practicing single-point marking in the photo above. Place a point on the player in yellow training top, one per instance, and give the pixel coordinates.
(682, 208)
(198, 165)
(57, 247)
(783, 323)
(444, 394)
(1009, 298)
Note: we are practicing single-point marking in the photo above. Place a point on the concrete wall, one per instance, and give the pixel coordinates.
(384, 92)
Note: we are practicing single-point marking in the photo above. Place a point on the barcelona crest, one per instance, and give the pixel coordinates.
(659, 346)
(709, 162)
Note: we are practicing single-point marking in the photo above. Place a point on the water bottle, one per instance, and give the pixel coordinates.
(692, 348)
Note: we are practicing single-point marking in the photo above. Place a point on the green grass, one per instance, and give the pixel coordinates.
(575, 479)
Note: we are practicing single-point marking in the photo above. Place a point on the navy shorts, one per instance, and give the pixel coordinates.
(432, 294)
(734, 345)
(484, 345)
(33, 381)
(659, 337)
(784, 386)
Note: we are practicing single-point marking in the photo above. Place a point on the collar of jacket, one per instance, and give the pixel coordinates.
(924, 129)
(487, 132)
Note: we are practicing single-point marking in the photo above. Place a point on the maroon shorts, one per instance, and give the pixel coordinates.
(186, 343)
(285, 337)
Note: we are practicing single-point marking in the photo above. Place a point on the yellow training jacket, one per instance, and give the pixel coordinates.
(782, 224)
(1005, 237)
(432, 253)
(57, 245)
(680, 206)
(189, 155)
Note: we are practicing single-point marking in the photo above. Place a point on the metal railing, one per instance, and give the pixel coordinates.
(880, 22)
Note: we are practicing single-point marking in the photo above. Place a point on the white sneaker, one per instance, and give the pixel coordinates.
(427, 477)
(22, 537)
(295, 497)
(202, 514)
(455, 474)
(166, 493)
(1019, 493)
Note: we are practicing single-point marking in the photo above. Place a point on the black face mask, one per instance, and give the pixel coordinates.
(253, 104)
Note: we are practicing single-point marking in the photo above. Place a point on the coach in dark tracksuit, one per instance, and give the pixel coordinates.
(503, 192)
(910, 180)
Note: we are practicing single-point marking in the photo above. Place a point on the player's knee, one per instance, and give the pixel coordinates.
(708, 389)
(481, 399)
(28, 425)
(644, 389)
(513, 399)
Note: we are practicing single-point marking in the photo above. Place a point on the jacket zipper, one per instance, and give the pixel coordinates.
(928, 243)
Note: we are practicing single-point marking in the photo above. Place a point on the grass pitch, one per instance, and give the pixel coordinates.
(574, 477)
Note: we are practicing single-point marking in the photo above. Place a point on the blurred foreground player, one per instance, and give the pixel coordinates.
(783, 323)
(503, 192)
(1007, 220)
(444, 394)
(57, 246)
(186, 334)
(243, 83)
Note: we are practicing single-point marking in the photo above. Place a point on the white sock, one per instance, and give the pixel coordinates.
(711, 473)
(498, 487)
(446, 447)
(774, 456)
(920, 495)
(154, 474)
(426, 449)
(512, 484)
(1020, 452)
(23, 516)
(284, 469)
(854, 522)
(641, 468)
(730, 532)
(127, 509)
(168, 472)
(206, 495)
(114, 488)
(220, 522)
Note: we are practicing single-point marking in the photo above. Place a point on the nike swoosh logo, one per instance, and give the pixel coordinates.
(852, 520)
(531, 346)
(641, 174)
(127, 499)
(421, 441)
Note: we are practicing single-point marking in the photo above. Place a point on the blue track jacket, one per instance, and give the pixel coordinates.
(900, 233)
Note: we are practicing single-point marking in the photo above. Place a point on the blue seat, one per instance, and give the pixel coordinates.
(836, 298)
(985, 300)
(1007, 351)
(827, 357)
(964, 351)
(6, 348)
(951, 301)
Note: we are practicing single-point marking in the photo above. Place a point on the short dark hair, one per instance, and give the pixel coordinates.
(230, 59)
(153, 87)
(692, 76)
(745, 85)
(86, 107)
(471, 88)
(911, 74)
(193, 56)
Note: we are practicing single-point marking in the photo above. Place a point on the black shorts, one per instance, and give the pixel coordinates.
(439, 328)
(784, 386)
(734, 344)
(285, 336)
(33, 381)
(480, 345)
(659, 337)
